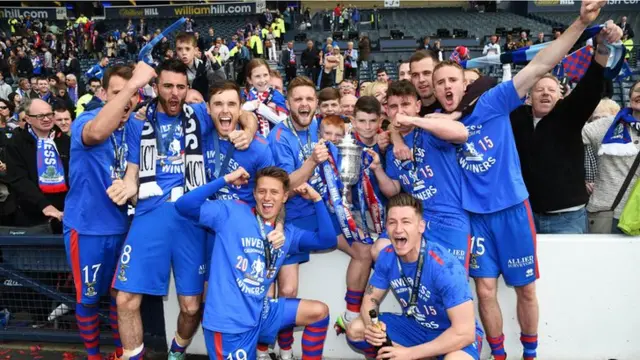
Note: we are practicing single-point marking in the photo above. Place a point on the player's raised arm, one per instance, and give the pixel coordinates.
(550, 56)
(326, 236)
(108, 120)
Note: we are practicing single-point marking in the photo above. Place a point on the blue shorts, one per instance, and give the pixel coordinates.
(159, 239)
(457, 241)
(407, 332)
(309, 223)
(93, 260)
(504, 243)
(276, 314)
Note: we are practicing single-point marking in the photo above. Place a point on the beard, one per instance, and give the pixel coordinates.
(302, 121)
(166, 106)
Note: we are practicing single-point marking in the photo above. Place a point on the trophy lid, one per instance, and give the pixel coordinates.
(348, 141)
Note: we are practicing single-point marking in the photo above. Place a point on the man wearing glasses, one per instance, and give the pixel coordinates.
(347, 87)
(38, 165)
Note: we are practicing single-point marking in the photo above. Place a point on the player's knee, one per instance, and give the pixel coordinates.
(288, 290)
(362, 252)
(190, 306)
(486, 290)
(378, 246)
(317, 310)
(355, 330)
(128, 301)
(526, 293)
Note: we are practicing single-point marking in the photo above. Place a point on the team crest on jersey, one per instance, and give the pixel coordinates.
(256, 276)
(473, 262)
(470, 153)
(122, 276)
(91, 291)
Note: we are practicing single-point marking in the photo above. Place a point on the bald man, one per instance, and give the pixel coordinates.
(348, 104)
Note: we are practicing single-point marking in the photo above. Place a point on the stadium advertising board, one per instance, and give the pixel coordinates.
(574, 5)
(45, 13)
(186, 10)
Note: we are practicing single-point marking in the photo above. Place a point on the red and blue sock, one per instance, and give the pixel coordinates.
(368, 350)
(87, 317)
(530, 345)
(313, 339)
(113, 321)
(354, 300)
(497, 347)
(285, 339)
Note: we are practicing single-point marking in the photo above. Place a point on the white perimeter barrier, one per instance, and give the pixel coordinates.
(589, 291)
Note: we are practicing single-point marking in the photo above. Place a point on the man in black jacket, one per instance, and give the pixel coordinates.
(310, 61)
(24, 67)
(627, 29)
(549, 142)
(37, 171)
(288, 61)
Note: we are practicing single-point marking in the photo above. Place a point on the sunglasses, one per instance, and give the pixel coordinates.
(3, 108)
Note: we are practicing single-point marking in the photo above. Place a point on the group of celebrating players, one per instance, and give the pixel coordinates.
(232, 211)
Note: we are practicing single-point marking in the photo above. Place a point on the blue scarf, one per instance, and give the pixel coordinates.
(617, 140)
(50, 170)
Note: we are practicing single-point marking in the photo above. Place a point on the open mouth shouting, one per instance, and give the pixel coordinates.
(268, 209)
(225, 123)
(448, 98)
(400, 242)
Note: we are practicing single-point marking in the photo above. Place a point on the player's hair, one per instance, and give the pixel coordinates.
(402, 88)
(328, 94)
(476, 71)
(335, 120)
(222, 86)
(299, 81)
(95, 79)
(187, 38)
(449, 63)
(632, 88)
(275, 73)
(123, 71)
(256, 63)
(172, 65)
(276, 173)
(424, 54)
(381, 70)
(405, 200)
(59, 106)
(369, 105)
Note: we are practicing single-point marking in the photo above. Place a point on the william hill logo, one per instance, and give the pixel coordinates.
(138, 12)
(554, 2)
(220, 9)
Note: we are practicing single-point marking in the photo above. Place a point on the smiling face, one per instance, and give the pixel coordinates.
(270, 195)
(366, 125)
(405, 228)
(43, 86)
(422, 76)
(225, 111)
(259, 78)
(302, 103)
(544, 96)
(634, 97)
(449, 87)
(172, 91)
(330, 107)
(348, 104)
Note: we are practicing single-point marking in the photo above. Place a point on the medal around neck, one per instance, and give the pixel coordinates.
(350, 164)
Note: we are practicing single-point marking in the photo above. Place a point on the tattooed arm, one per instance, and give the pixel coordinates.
(372, 299)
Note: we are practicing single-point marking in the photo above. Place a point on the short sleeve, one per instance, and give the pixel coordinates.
(77, 126)
(391, 169)
(133, 137)
(501, 99)
(214, 214)
(265, 157)
(435, 141)
(380, 278)
(451, 283)
(283, 157)
(202, 114)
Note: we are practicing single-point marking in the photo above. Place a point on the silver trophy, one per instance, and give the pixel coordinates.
(349, 167)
